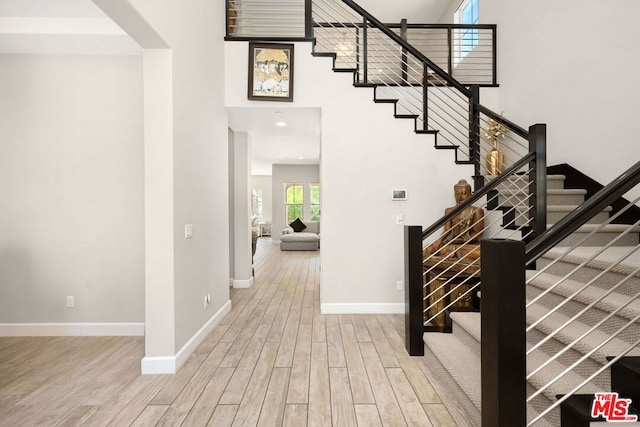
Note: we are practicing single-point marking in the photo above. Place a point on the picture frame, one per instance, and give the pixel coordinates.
(270, 71)
(398, 194)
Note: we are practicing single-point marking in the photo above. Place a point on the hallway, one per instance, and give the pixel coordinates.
(274, 360)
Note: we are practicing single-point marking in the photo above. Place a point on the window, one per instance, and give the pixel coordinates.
(314, 198)
(294, 198)
(256, 204)
(467, 39)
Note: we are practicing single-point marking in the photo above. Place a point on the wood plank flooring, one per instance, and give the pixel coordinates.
(274, 360)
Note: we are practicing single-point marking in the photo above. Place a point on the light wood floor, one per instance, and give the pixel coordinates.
(274, 360)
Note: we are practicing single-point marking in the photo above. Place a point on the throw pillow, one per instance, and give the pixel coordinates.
(297, 225)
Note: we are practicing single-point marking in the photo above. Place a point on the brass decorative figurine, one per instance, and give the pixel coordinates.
(495, 158)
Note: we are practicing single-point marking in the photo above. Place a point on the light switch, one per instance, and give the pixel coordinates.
(188, 231)
(399, 219)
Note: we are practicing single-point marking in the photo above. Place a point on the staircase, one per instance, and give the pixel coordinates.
(455, 358)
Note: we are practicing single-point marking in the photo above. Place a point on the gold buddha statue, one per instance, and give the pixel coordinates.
(461, 236)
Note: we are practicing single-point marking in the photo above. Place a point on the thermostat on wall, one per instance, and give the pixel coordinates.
(398, 194)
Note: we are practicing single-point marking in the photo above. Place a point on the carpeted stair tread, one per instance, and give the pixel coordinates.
(556, 212)
(461, 364)
(464, 327)
(490, 178)
(573, 331)
(609, 228)
(570, 208)
(547, 376)
(517, 179)
(550, 191)
(470, 321)
(568, 287)
(581, 254)
(561, 191)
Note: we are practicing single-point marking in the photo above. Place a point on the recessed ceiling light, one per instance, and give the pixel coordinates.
(281, 124)
(300, 158)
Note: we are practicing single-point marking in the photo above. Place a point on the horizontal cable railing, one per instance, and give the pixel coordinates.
(466, 52)
(585, 296)
(265, 19)
(451, 268)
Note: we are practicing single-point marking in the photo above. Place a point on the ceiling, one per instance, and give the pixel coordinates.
(296, 143)
(60, 27)
(79, 27)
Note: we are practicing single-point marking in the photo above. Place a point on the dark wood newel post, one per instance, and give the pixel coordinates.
(425, 98)
(308, 20)
(474, 135)
(538, 179)
(365, 51)
(403, 65)
(413, 317)
(503, 331)
(450, 54)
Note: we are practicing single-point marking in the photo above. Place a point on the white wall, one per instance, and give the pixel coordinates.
(450, 10)
(200, 160)
(572, 65)
(71, 177)
(264, 182)
(242, 269)
(392, 12)
(231, 206)
(304, 174)
(365, 154)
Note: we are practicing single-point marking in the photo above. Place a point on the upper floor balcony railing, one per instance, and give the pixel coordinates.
(465, 52)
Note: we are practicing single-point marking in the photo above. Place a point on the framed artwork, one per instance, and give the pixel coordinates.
(271, 72)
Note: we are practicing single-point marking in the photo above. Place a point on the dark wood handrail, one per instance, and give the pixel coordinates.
(410, 26)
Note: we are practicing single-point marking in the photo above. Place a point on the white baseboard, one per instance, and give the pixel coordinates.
(171, 364)
(71, 329)
(362, 308)
(158, 365)
(243, 284)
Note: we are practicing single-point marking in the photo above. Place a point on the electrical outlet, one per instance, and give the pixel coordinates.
(71, 301)
(188, 231)
(399, 285)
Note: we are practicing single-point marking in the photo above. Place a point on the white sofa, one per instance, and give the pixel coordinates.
(305, 240)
